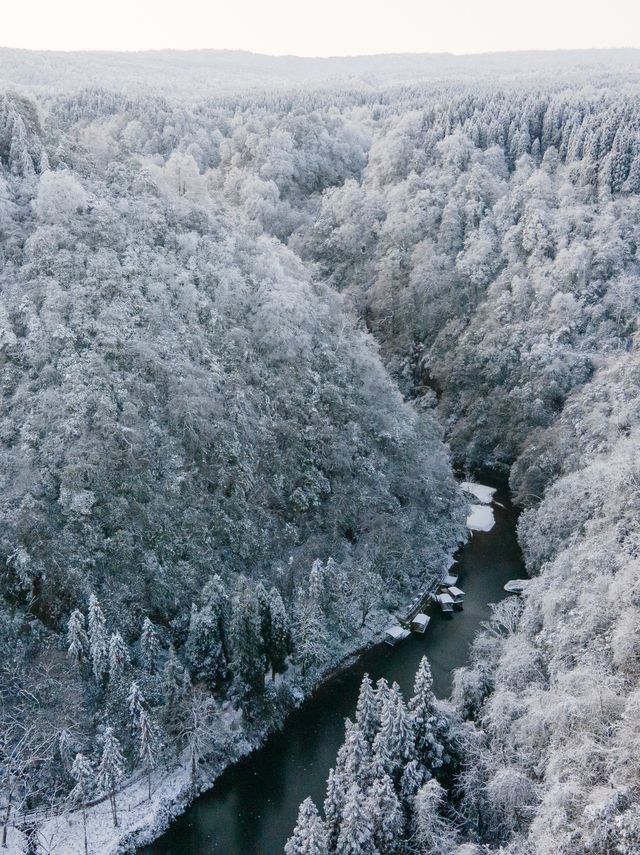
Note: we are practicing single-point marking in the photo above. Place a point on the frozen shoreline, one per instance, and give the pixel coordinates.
(141, 821)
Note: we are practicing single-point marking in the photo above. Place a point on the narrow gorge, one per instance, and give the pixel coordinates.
(247, 336)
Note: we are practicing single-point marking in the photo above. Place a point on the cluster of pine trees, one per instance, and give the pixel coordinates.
(385, 795)
(156, 706)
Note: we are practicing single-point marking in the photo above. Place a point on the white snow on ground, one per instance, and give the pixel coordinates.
(481, 518)
(141, 821)
(481, 492)
(63, 835)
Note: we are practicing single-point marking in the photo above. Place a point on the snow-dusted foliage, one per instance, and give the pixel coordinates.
(208, 478)
(212, 490)
(491, 245)
(383, 796)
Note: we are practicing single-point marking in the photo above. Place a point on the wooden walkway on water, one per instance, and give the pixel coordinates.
(423, 600)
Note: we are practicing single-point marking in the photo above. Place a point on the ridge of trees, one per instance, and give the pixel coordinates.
(203, 460)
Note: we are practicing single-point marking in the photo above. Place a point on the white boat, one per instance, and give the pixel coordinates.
(445, 601)
(420, 622)
(456, 594)
(395, 634)
(516, 586)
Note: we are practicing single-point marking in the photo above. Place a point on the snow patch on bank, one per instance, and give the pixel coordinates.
(140, 819)
(481, 518)
(481, 492)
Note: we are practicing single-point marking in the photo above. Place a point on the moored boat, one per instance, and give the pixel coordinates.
(444, 600)
(457, 595)
(420, 622)
(516, 586)
(395, 634)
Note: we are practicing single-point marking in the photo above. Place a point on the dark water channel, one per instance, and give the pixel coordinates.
(252, 808)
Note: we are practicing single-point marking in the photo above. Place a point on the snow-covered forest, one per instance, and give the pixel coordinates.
(244, 339)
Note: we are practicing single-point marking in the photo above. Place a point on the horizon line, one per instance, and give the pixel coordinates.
(443, 53)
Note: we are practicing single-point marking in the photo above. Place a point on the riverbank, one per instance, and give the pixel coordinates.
(143, 821)
(253, 805)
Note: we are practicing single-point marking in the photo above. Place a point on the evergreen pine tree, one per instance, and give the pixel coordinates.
(388, 821)
(413, 777)
(311, 632)
(203, 648)
(262, 598)
(216, 598)
(536, 153)
(394, 743)
(338, 597)
(83, 774)
(278, 645)
(367, 710)
(119, 659)
(632, 184)
(135, 703)
(111, 770)
(317, 589)
(354, 757)
(310, 835)
(175, 685)
(247, 662)
(20, 160)
(98, 645)
(356, 828)
(334, 805)
(148, 744)
(77, 639)
(428, 723)
(44, 161)
(149, 647)
(382, 693)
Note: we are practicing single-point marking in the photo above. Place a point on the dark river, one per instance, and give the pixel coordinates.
(252, 808)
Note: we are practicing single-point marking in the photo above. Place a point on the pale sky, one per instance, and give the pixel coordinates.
(325, 28)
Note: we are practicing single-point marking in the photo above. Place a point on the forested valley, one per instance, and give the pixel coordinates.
(244, 341)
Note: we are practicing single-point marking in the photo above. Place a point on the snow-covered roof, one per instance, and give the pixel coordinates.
(444, 598)
(421, 619)
(449, 580)
(481, 518)
(396, 631)
(455, 592)
(481, 492)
